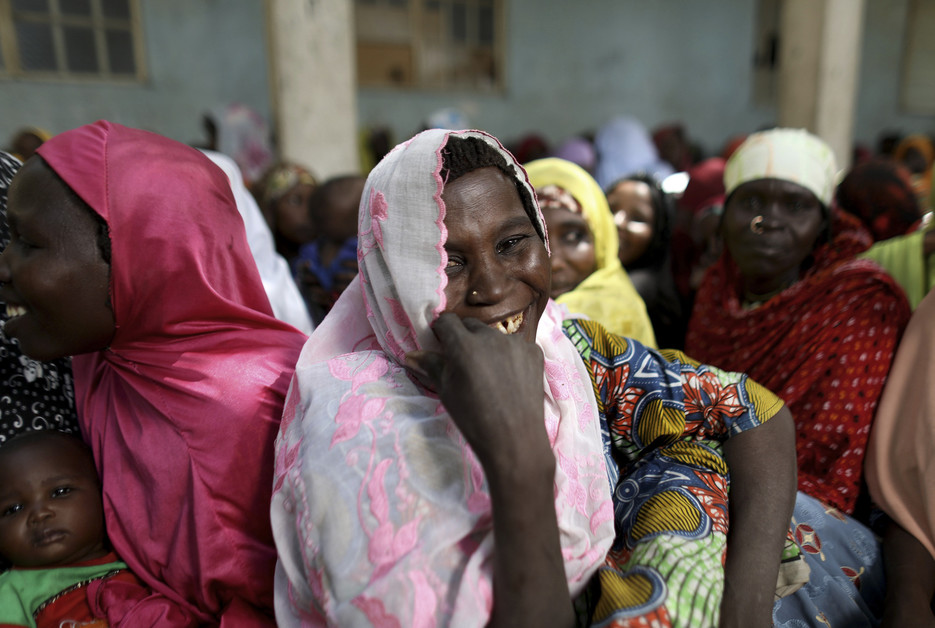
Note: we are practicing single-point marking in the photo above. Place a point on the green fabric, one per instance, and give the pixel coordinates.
(22, 591)
(904, 259)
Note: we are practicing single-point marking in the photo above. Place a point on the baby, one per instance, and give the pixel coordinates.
(52, 536)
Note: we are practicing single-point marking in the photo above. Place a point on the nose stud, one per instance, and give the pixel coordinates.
(756, 225)
(473, 293)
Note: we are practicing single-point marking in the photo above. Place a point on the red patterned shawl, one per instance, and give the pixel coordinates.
(824, 345)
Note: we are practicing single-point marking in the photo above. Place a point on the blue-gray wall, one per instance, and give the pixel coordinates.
(199, 54)
(575, 65)
(570, 67)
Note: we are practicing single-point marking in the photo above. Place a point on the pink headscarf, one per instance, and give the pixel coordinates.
(381, 512)
(182, 408)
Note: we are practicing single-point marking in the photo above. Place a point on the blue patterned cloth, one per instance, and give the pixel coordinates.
(847, 585)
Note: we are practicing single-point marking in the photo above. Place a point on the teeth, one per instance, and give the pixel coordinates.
(509, 325)
(14, 310)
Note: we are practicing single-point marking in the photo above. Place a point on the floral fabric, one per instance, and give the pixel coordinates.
(381, 512)
(664, 418)
(403, 532)
(846, 584)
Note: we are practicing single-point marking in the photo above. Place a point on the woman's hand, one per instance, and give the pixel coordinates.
(491, 385)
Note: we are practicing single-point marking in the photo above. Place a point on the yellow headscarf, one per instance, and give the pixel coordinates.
(607, 295)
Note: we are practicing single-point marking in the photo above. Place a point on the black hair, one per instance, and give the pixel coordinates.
(657, 253)
(462, 155)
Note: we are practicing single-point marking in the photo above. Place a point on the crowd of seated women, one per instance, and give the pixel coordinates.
(536, 393)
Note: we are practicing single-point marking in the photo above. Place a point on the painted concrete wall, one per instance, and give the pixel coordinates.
(881, 71)
(571, 66)
(575, 65)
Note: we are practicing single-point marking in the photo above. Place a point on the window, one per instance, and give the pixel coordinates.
(430, 43)
(68, 39)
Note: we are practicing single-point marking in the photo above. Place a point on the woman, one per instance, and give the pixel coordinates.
(36, 395)
(901, 476)
(440, 404)
(644, 214)
(128, 252)
(788, 302)
(587, 276)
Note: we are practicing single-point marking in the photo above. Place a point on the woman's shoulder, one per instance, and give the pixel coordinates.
(595, 342)
(868, 277)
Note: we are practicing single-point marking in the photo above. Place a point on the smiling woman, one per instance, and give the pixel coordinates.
(38, 395)
(587, 276)
(454, 453)
(128, 250)
(60, 303)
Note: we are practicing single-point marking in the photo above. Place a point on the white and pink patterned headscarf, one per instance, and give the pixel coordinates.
(381, 512)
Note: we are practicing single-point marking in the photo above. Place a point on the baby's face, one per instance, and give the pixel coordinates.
(50, 504)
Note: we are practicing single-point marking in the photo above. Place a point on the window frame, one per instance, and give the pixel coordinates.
(419, 46)
(11, 68)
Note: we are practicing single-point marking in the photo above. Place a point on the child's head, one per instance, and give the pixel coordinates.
(284, 192)
(333, 207)
(51, 513)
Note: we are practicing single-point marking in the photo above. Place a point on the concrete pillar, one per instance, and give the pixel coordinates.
(819, 62)
(313, 83)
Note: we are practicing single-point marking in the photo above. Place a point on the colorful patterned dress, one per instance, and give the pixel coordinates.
(663, 419)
